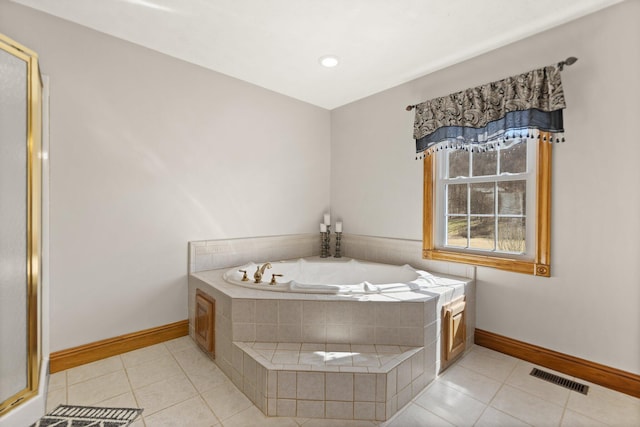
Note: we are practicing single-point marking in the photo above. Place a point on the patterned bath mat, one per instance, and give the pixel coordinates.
(88, 416)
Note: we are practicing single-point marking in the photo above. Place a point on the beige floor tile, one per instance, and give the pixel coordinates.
(153, 371)
(492, 353)
(446, 402)
(55, 398)
(527, 407)
(606, 406)
(57, 380)
(487, 364)
(98, 389)
(94, 369)
(252, 416)
(193, 413)
(226, 400)
(138, 422)
(125, 400)
(143, 355)
(491, 417)
(192, 359)
(574, 419)
(469, 382)
(165, 393)
(207, 377)
(521, 378)
(416, 416)
(180, 344)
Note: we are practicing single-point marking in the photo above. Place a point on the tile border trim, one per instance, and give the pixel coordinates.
(76, 356)
(606, 376)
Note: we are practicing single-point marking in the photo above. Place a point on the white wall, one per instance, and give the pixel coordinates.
(147, 153)
(590, 307)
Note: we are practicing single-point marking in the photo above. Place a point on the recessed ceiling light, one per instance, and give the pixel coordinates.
(329, 61)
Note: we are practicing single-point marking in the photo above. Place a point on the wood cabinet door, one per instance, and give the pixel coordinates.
(205, 322)
(455, 329)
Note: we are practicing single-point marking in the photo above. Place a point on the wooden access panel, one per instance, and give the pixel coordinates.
(454, 329)
(205, 322)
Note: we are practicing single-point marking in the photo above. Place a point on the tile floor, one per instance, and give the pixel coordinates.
(178, 386)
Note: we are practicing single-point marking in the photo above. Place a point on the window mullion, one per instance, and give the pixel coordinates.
(468, 215)
(495, 202)
(495, 215)
(470, 175)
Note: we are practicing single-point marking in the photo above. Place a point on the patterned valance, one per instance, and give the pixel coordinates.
(482, 117)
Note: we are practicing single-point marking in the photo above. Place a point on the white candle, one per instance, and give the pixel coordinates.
(323, 228)
(339, 227)
(327, 219)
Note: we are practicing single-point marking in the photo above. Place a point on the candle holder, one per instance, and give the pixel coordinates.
(323, 246)
(325, 243)
(328, 241)
(338, 238)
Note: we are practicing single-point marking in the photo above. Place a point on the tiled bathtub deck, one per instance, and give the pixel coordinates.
(315, 380)
(367, 358)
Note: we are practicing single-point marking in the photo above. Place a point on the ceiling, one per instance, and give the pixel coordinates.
(277, 44)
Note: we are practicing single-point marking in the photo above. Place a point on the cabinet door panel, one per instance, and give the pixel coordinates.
(205, 322)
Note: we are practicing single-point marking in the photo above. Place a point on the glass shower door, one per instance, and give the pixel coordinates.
(19, 223)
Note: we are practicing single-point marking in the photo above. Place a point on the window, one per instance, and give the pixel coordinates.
(490, 208)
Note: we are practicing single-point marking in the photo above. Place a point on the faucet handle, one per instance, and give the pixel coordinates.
(273, 279)
(244, 275)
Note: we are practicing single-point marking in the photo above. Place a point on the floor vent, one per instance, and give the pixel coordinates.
(563, 382)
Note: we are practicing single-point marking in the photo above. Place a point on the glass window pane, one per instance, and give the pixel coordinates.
(511, 197)
(482, 198)
(457, 198)
(514, 159)
(457, 231)
(485, 163)
(482, 233)
(458, 163)
(512, 235)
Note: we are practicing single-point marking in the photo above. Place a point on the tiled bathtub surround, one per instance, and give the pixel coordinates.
(248, 321)
(213, 254)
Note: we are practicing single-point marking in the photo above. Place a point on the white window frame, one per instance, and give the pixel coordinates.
(441, 202)
(536, 263)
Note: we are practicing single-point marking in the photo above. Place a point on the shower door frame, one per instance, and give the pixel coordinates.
(33, 223)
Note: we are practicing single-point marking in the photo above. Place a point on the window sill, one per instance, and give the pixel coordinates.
(507, 264)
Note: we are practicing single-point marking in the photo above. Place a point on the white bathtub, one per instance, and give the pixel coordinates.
(334, 277)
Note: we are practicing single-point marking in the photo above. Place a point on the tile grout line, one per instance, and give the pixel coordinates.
(504, 383)
(135, 398)
(199, 394)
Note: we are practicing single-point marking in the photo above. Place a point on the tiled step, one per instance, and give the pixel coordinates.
(344, 381)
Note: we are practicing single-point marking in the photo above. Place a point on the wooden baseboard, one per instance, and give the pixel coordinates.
(76, 356)
(612, 378)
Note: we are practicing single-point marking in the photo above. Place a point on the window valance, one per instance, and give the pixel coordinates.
(482, 117)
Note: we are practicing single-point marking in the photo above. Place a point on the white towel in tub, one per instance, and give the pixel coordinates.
(390, 287)
(318, 289)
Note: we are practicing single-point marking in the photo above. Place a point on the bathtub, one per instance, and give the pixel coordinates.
(333, 277)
